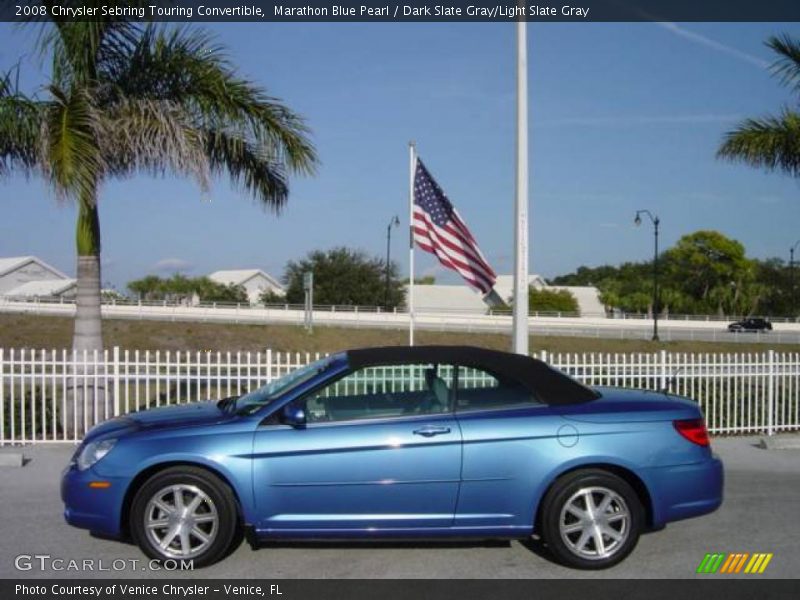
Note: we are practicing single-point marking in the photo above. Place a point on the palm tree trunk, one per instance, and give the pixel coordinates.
(87, 402)
(88, 324)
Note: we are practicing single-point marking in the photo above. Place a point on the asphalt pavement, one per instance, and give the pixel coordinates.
(759, 514)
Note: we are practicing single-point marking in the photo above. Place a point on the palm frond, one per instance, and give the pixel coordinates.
(189, 68)
(249, 166)
(72, 156)
(128, 98)
(78, 48)
(787, 67)
(771, 143)
(21, 120)
(154, 136)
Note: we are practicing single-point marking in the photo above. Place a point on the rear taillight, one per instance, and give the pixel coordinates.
(693, 430)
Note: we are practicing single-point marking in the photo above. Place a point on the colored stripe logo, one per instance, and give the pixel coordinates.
(735, 562)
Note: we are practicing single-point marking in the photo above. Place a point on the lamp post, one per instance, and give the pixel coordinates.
(638, 221)
(395, 222)
(792, 294)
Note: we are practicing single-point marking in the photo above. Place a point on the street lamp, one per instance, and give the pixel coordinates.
(656, 221)
(395, 222)
(792, 293)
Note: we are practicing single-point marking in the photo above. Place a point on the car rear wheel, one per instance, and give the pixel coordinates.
(184, 513)
(591, 519)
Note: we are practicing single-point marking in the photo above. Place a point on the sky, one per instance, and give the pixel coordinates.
(622, 117)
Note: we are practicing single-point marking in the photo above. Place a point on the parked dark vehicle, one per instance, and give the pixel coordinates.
(750, 324)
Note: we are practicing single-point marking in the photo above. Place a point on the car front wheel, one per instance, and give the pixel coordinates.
(591, 519)
(184, 513)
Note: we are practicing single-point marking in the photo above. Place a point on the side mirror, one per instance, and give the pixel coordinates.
(294, 416)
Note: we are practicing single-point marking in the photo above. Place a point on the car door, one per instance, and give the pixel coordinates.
(381, 450)
(511, 441)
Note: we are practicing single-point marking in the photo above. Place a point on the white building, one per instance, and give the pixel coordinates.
(448, 298)
(587, 297)
(462, 298)
(46, 288)
(254, 281)
(28, 276)
(504, 286)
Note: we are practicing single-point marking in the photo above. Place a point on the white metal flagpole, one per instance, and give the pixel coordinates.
(520, 317)
(412, 156)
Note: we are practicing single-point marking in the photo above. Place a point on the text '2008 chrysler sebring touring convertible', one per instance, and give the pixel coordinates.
(426, 442)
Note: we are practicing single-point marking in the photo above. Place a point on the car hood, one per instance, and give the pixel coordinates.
(184, 415)
(110, 428)
(621, 405)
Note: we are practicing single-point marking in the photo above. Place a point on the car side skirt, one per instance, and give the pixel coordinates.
(387, 534)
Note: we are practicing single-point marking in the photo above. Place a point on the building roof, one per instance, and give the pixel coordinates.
(42, 287)
(242, 276)
(15, 262)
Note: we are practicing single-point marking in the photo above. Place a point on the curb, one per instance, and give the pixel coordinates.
(780, 443)
(11, 459)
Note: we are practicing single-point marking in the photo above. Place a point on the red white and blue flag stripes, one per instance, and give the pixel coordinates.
(439, 229)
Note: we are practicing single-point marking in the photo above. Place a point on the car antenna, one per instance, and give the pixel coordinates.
(673, 379)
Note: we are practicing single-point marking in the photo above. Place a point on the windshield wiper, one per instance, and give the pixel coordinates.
(228, 404)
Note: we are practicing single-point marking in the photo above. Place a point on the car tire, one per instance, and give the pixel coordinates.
(185, 513)
(589, 539)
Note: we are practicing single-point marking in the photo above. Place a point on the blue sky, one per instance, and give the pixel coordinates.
(623, 116)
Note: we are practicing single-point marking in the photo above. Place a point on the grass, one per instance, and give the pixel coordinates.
(26, 331)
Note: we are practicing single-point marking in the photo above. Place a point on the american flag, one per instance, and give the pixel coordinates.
(438, 229)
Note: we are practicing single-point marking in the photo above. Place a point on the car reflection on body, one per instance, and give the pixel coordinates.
(427, 442)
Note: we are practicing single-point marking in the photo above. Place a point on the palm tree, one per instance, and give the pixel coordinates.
(125, 99)
(771, 142)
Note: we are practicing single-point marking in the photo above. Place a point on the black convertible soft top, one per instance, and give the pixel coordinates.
(547, 384)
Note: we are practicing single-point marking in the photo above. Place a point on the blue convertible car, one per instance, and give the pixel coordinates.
(379, 443)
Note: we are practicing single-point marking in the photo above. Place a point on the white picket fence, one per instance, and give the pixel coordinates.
(738, 393)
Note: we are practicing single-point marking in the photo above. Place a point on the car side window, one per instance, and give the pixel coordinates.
(383, 392)
(480, 390)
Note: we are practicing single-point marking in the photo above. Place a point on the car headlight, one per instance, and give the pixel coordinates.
(92, 452)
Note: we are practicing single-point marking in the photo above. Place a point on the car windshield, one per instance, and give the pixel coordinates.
(276, 388)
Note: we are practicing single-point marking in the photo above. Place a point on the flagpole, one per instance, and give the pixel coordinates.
(412, 157)
(520, 315)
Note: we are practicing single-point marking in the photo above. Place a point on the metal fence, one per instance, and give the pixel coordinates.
(49, 395)
(40, 304)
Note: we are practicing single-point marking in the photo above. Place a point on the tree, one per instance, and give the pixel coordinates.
(424, 280)
(268, 297)
(552, 301)
(775, 276)
(179, 287)
(126, 98)
(704, 273)
(584, 276)
(713, 271)
(771, 142)
(627, 287)
(344, 276)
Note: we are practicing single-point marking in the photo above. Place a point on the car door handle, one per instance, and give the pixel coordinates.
(431, 430)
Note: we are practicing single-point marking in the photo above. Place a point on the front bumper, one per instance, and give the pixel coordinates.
(96, 509)
(685, 491)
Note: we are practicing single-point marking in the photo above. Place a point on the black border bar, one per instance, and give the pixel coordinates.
(706, 587)
(271, 11)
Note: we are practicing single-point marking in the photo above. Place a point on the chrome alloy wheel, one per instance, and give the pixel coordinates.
(594, 523)
(181, 521)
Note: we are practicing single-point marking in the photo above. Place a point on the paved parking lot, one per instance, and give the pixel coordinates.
(759, 514)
